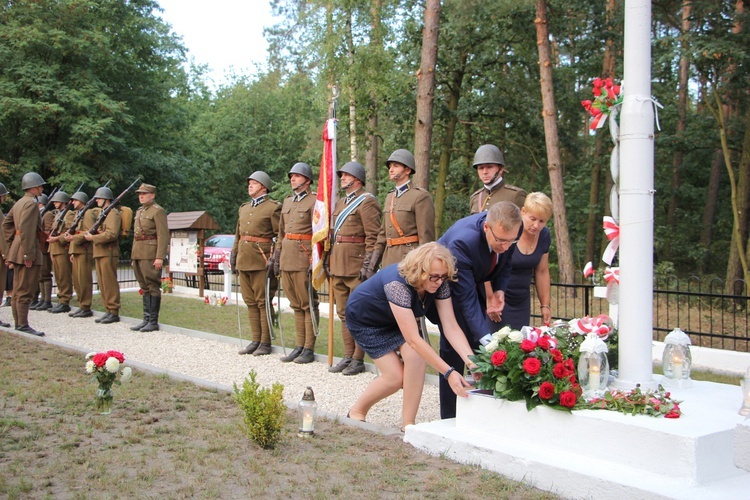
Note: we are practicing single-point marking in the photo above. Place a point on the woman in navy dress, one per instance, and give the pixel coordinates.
(531, 258)
(381, 315)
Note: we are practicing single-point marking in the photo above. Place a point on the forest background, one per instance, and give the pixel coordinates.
(92, 90)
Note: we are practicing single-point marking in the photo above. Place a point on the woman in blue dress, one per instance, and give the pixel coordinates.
(531, 258)
(381, 315)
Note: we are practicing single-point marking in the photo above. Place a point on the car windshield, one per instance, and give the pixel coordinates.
(220, 241)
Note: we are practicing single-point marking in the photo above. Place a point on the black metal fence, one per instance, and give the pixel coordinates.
(701, 308)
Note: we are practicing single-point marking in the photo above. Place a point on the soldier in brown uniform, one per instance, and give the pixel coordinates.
(45, 278)
(408, 212)
(292, 258)
(82, 256)
(354, 237)
(3, 246)
(107, 255)
(490, 165)
(58, 251)
(21, 229)
(150, 246)
(257, 225)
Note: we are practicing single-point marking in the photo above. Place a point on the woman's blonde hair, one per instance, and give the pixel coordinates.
(415, 268)
(538, 204)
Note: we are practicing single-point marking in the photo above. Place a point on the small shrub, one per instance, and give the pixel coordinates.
(264, 411)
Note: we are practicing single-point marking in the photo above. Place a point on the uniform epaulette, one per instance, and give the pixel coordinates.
(157, 206)
(477, 191)
(249, 201)
(512, 187)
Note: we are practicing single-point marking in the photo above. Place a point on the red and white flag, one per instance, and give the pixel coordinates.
(324, 203)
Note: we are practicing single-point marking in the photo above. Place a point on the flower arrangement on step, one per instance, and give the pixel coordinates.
(216, 300)
(528, 366)
(571, 334)
(105, 367)
(638, 402)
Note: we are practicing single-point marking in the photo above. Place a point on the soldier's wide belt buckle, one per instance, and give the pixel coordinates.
(350, 239)
(298, 236)
(404, 240)
(255, 239)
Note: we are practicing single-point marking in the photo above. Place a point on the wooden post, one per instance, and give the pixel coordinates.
(330, 321)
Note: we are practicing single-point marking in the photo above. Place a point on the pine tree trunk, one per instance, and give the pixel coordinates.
(709, 208)
(426, 93)
(594, 231)
(353, 153)
(447, 144)
(682, 97)
(549, 113)
(372, 139)
(734, 266)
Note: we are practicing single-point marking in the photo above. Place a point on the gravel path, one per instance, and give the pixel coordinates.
(216, 360)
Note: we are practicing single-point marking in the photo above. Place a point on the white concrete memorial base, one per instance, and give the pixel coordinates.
(602, 454)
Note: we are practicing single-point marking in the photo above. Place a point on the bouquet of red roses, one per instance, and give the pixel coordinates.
(606, 97)
(528, 366)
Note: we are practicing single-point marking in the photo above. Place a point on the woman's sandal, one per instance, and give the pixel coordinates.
(347, 416)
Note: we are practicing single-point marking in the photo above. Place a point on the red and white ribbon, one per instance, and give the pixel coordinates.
(598, 121)
(612, 274)
(612, 231)
(599, 325)
(588, 270)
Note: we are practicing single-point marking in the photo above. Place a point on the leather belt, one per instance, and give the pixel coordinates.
(255, 239)
(404, 240)
(298, 236)
(350, 239)
(147, 237)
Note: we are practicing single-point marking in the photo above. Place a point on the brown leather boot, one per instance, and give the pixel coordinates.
(265, 348)
(249, 348)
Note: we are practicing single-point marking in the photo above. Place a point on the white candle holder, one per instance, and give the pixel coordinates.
(676, 359)
(306, 409)
(593, 367)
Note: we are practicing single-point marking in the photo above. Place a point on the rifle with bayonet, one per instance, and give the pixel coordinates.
(49, 202)
(103, 215)
(57, 225)
(79, 216)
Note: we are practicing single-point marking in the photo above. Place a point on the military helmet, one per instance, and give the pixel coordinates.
(403, 157)
(80, 196)
(42, 199)
(3, 189)
(31, 180)
(262, 177)
(105, 193)
(301, 169)
(488, 154)
(355, 169)
(60, 197)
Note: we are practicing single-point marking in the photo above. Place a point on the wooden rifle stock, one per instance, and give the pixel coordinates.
(60, 218)
(49, 202)
(103, 215)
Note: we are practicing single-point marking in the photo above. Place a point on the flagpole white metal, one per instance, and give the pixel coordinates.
(636, 202)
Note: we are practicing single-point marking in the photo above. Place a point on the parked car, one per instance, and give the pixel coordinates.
(215, 250)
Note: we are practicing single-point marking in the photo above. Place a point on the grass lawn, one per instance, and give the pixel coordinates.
(171, 439)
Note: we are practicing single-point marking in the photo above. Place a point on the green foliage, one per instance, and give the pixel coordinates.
(264, 411)
(89, 90)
